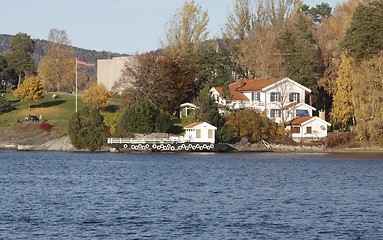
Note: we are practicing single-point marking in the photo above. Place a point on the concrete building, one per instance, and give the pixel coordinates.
(109, 71)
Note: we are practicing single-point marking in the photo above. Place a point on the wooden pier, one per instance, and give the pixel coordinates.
(166, 144)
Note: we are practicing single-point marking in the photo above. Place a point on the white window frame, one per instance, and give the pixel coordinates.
(275, 97)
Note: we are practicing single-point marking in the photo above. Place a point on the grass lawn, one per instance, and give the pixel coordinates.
(56, 111)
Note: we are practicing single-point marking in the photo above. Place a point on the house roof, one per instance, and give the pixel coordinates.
(299, 120)
(237, 88)
(195, 124)
(188, 105)
(254, 84)
(296, 104)
(304, 119)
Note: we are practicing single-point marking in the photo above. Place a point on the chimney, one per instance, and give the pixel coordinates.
(322, 114)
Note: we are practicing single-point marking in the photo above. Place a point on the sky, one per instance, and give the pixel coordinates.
(121, 26)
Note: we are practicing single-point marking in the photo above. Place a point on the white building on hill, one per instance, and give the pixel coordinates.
(109, 71)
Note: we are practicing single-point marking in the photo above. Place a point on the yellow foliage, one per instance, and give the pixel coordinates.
(31, 90)
(96, 95)
(343, 109)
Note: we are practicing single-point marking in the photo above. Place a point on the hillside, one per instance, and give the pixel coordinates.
(84, 54)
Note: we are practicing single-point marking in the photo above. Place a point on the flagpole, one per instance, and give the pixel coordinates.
(76, 84)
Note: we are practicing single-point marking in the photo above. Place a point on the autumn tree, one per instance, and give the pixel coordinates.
(251, 124)
(343, 107)
(328, 36)
(186, 30)
(367, 99)
(164, 80)
(57, 68)
(364, 38)
(238, 26)
(97, 95)
(259, 52)
(20, 57)
(30, 90)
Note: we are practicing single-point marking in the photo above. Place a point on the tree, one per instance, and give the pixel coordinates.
(86, 129)
(343, 107)
(20, 57)
(301, 55)
(364, 38)
(317, 13)
(96, 95)
(328, 36)
(208, 67)
(259, 53)
(30, 90)
(251, 124)
(144, 118)
(186, 30)
(57, 68)
(164, 80)
(367, 99)
(207, 109)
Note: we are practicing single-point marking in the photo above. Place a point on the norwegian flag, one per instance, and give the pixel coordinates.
(85, 64)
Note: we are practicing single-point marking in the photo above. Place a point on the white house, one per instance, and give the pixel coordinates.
(307, 128)
(270, 95)
(200, 132)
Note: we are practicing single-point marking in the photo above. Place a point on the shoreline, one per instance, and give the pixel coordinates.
(63, 144)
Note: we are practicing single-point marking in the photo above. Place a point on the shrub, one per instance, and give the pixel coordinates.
(45, 126)
(5, 105)
(336, 139)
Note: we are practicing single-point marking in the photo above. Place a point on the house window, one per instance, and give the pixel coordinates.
(256, 96)
(295, 130)
(309, 130)
(294, 97)
(300, 113)
(275, 97)
(275, 113)
(210, 133)
(198, 133)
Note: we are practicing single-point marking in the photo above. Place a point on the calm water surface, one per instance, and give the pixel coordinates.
(45, 195)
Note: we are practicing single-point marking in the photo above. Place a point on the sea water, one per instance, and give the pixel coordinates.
(54, 195)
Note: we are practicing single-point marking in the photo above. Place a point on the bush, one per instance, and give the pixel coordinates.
(45, 126)
(336, 139)
(5, 105)
(86, 129)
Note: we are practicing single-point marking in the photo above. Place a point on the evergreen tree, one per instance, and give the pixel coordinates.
(20, 58)
(139, 118)
(86, 129)
(364, 38)
(301, 54)
(317, 13)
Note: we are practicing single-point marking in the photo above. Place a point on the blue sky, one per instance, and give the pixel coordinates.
(123, 26)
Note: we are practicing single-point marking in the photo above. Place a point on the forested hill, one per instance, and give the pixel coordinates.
(90, 56)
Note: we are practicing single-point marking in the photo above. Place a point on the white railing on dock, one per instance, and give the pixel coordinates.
(144, 141)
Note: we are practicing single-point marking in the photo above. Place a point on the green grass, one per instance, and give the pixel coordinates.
(56, 111)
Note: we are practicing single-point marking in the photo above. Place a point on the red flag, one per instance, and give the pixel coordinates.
(85, 64)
